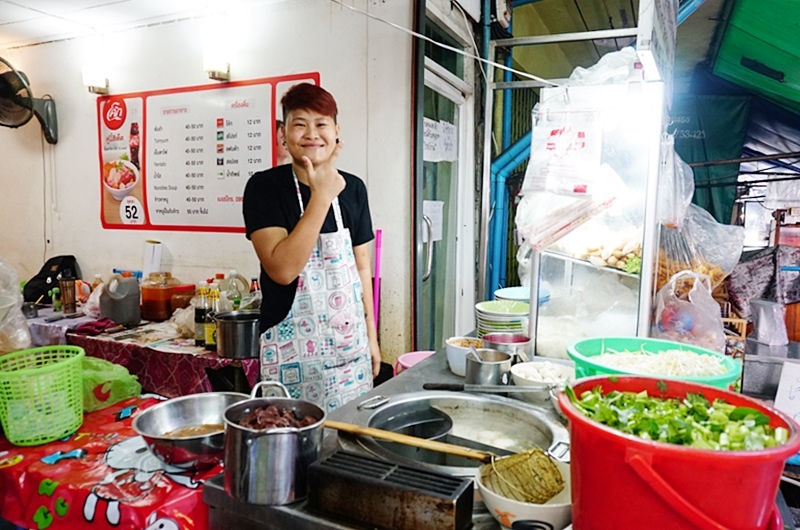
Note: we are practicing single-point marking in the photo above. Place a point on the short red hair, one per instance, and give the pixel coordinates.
(306, 96)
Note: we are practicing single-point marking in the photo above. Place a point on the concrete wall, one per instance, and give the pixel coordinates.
(49, 195)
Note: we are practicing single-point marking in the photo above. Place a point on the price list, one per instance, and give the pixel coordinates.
(200, 149)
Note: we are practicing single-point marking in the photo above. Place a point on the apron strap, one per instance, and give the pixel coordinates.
(337, 212)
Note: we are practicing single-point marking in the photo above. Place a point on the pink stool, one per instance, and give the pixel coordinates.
(407, 360)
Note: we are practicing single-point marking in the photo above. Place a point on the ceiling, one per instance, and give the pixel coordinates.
(27, 22)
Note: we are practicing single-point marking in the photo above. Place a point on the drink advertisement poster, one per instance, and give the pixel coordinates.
(178, 159)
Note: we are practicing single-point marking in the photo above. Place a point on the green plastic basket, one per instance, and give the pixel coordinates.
(41, 394)
(583, 350)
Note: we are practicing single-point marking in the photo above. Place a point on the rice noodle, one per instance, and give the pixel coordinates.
(668, 363)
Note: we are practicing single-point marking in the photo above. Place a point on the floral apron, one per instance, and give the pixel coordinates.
(320, 351)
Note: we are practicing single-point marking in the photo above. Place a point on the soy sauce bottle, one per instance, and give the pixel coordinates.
(200, 311)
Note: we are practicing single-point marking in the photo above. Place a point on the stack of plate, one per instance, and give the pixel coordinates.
(501, 316)
(522, 294)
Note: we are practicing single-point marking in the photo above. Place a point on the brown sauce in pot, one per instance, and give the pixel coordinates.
(195, 430)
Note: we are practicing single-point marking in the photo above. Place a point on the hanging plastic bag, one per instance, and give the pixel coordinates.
(14, 332)
(702, 245)
(686, 312)
(106, 383)
(675, 185)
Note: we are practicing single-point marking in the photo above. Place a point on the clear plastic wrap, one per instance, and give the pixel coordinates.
(14, 332)
(675, 185)
(702, 245)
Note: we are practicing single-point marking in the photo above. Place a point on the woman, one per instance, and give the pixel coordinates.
(310, 226)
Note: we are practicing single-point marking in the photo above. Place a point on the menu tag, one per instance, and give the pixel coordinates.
(787, 398)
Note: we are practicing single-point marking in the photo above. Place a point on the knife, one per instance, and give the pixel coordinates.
(466, 387)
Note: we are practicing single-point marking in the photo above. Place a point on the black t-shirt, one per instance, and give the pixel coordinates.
(270, 199)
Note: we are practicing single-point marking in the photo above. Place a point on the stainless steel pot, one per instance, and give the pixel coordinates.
(269, 467)
(237, 334)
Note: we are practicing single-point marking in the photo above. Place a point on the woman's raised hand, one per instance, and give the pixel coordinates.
(325, 180)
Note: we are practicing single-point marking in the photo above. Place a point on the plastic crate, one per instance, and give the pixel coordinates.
(41, 394)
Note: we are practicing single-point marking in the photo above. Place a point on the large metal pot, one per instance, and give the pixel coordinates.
(270, 466)
(237, 334)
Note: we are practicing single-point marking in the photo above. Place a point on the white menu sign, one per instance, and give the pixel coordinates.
(201, 149)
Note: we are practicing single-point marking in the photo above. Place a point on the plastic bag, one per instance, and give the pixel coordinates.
(14, 332)
(106, 383)
(675, 185)
(612, 68)
(686, 312)
(769, 322)
(702, 245)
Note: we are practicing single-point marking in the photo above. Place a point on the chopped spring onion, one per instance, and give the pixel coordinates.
(691, 421)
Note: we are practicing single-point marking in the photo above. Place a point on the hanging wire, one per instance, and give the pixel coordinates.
(472, 38)
(446, 47)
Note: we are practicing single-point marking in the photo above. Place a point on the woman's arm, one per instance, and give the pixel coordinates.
(364, 266)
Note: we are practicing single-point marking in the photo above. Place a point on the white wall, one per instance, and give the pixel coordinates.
(50, 195)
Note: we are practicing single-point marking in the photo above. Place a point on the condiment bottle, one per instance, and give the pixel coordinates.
(200, 311)
(211, 323)
(66, 282)
(254, 285)
(233, 292)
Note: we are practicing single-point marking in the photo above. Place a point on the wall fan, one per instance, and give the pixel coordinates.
(18, 106)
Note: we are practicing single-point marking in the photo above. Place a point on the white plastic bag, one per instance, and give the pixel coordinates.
(769, 322)
(14, 332)
(686, 312)
(675, 185)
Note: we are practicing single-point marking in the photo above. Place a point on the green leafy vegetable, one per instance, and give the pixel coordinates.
(633, 265)
(692, 421)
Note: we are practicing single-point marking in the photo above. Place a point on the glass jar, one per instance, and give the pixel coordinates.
(157, 292)
(181, 296)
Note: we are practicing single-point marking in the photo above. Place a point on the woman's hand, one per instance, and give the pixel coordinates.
(375, 353)
(325, 180)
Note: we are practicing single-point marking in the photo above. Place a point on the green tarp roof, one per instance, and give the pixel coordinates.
(760, 49)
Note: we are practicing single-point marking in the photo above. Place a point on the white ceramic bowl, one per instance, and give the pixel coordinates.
(555, 513)
(456, 349)
(112, 170)
(543, 373)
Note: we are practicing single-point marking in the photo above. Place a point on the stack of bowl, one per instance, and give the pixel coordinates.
(501, 316)
(522, 294)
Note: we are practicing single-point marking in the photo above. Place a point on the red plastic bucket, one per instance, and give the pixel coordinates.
(407, 360)
(622, 482)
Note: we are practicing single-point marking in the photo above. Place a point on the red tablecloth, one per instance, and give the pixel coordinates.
(101, 477)
(167, 373)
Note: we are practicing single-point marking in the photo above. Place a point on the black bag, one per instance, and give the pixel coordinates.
(47, 277)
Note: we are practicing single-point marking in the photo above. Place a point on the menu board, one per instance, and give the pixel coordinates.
(179, 159)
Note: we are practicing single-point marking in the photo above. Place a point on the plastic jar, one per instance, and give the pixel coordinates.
(119, 301)
(157, 292)
(181, 296)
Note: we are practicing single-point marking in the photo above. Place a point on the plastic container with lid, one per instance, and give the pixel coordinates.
(181, 296)
(157, 292)
(119, 300)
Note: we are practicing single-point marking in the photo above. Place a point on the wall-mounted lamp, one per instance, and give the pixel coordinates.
(219, 74)
(216, 51)
(215, 64)
(94, 79)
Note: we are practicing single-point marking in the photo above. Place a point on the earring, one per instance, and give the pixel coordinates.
(284, 144)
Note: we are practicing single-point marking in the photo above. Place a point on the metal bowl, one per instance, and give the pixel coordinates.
(187, 452)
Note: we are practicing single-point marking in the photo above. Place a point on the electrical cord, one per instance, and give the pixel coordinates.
(446, 47)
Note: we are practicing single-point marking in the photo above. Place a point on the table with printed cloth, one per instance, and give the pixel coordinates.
(164, 363)
(169, 367)
(101, 477)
